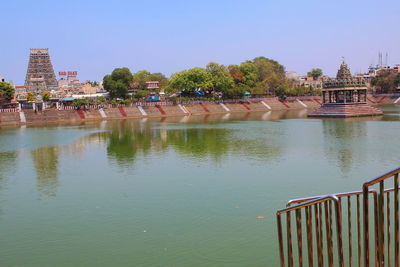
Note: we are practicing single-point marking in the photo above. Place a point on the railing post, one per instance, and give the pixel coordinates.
(366, 226)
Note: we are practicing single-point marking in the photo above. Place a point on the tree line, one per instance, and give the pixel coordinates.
(257, 76)
(386, 81)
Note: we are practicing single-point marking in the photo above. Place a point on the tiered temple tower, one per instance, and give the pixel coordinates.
(40, 74)
(345, 96)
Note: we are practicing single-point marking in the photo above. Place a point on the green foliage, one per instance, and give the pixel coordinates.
(237, 91)
(141, 77)
(258, 76)
(45, 96)
(397, 80)
(80, 102)
(236, 74)
(267, 67)
(315, 73)
(30, 97)
(101, 100)
(386, 81)
(220, 77)
(141, 94)
(117, 84)
(190, 80)
(250, 73)
(6, 91)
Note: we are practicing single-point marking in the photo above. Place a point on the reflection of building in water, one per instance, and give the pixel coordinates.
(45, 161)
(345, 142)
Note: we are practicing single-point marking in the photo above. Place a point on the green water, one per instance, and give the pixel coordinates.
(176, 191)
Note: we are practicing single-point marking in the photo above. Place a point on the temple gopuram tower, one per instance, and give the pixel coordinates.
(345, 96)
(40, 74)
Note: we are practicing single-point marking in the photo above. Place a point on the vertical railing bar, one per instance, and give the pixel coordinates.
(321, 232)
(366, 226)
(349, 230)
(338, 208)
(330, 229)
(280, 239)
(376, 228)
(358, 231)
(299, 237)
(289, 239)
(309, 236)
(318, 234)
(328, 236)
(396, 220)
(388, 227)
(381, 224)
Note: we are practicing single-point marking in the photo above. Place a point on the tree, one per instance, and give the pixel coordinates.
(190, 80)
(250, 73)
(30, 97)
(315, 73)
(220, 78)
(386, 81)
(237, 91)
(45, 96)
(397, 80)
(140, 78)
(141, 94)
(117, 84)
(6, 91)
(267, 67)
(80, 102)
(236, 74)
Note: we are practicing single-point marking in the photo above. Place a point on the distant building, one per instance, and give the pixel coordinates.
(88, 89)
(20, 89)
(306, 81)
(68, 83)
(40, 74)
(153, 85)
(292, 75)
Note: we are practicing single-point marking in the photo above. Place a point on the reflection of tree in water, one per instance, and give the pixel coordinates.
(7, 166)
(200, 142)
(128, 138)
(45, 161)
(344, 142)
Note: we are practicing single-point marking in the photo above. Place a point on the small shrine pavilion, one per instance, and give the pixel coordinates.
(345, 96)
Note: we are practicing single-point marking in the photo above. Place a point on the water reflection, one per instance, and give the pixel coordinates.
(125, 140)
(8, 162)
(45, 161)
(345, 141)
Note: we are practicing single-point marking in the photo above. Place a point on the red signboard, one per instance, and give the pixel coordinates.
(69, 73)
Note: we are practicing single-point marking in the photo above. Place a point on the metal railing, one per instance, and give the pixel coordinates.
(379, 214)
(318, 231)
(379, 211)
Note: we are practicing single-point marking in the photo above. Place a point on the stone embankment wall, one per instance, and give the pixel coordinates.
(266, 104)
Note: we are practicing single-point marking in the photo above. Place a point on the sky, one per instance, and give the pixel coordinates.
(94, 37)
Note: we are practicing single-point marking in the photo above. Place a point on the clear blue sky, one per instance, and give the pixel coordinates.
(93, 37)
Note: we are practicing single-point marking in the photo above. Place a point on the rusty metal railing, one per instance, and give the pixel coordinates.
(347, 223)
(384, 217)
(382, 257)
(319, 204)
